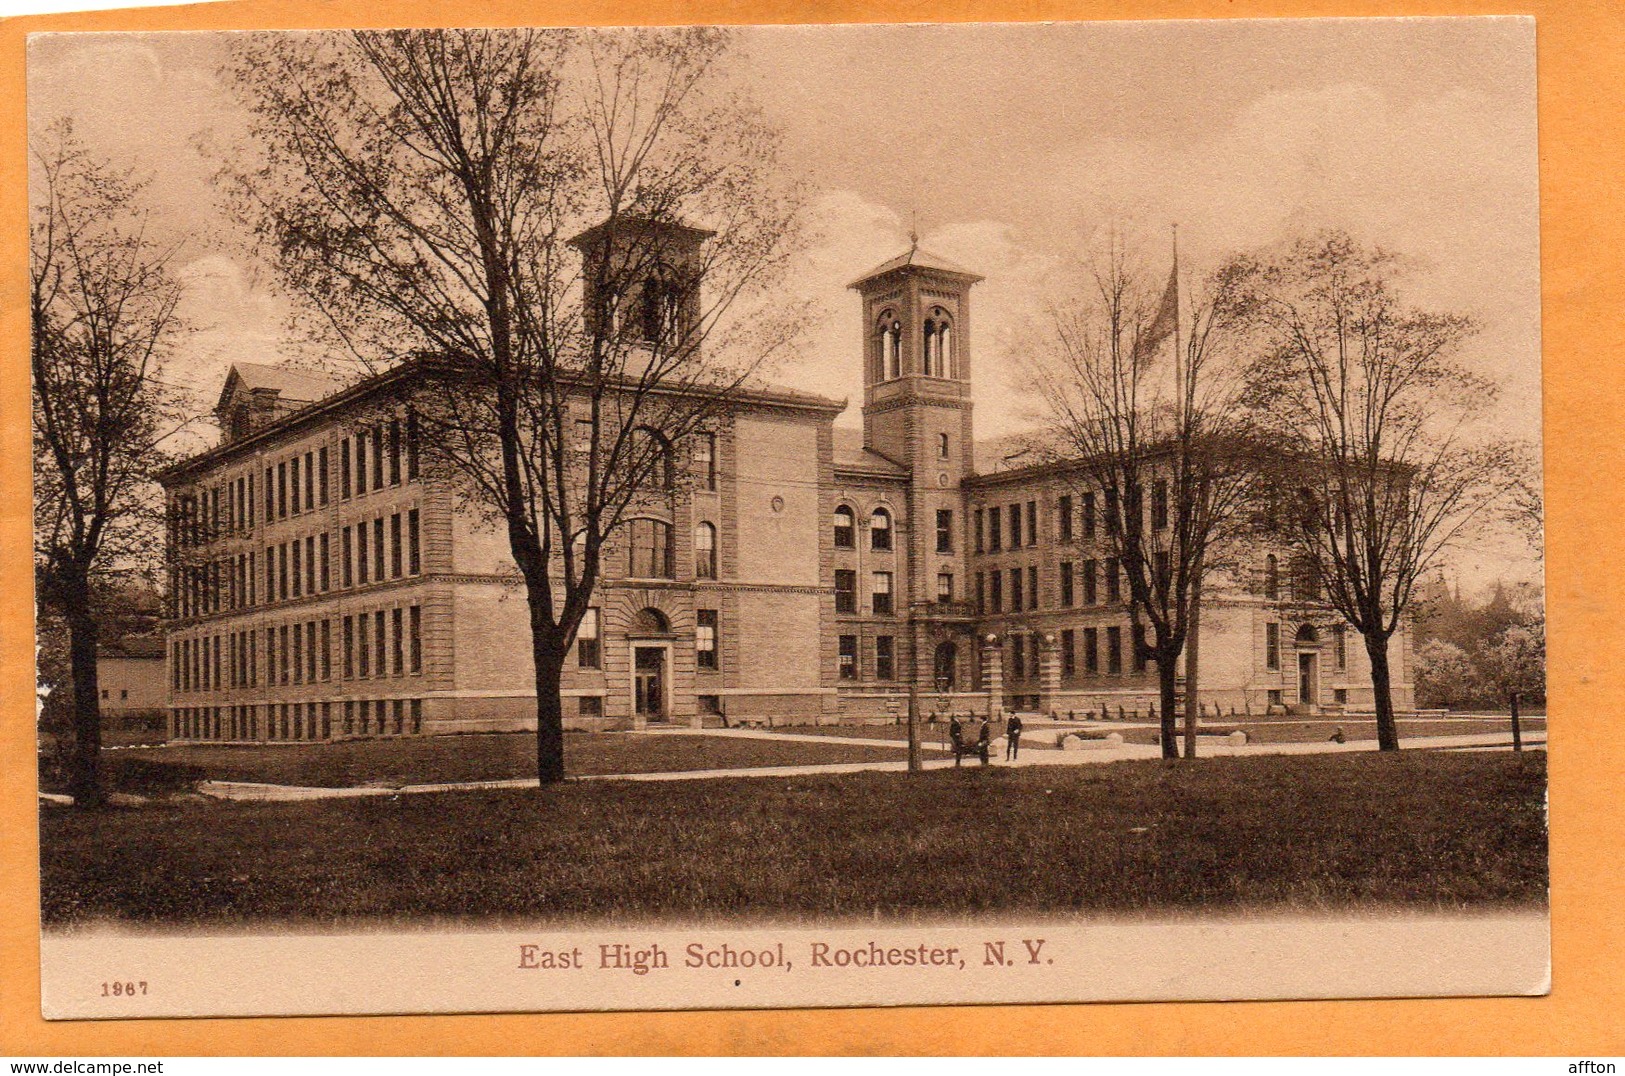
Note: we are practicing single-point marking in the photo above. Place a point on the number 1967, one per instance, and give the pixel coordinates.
(124, 989)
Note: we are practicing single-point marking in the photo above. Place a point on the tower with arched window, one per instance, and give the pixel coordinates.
(917, 414)
(641, 281)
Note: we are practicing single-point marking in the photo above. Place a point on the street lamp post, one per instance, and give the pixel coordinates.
(913, 694)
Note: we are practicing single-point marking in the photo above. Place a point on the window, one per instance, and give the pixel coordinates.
(1088, 513)
(1272, 578)
(976, 528)
(411, 445)
(349, 648)
(1066, 584)
(880, 529)
(1159, 504)
(846, 591)
(844, 528)
(395, 546)
(1018, 657)
(1114, 581)
(293, 482)
(310, 564)
(310, 481)
(345, 557)
(588, 653)
(380, 641)
(848, 663)
(705, 638)
(344, 469)
(1139, 648)
(1272, 645)
(327, 575)
(1015, 526)
(394, 451)
(705, 551)
(589, 706)
(885, 660)
(414, 557)
(1112, 521)
(377, 457)
(1063, 519)
(1340, 636)
(360, 462)
(981, 593)
(995, 596)
(1069, 656)
(651, 549)
(1091, 651)
(652, 456)
(1114, 650)
(397, 640)
(416, 626)
(1016, 592)
(880, 596)
(942, 446)
(705, 459)
(945, 586)
(1032, 586)
(1032, 522)
(888, 347)
(995, 536)
(281, 490)
(945, 530)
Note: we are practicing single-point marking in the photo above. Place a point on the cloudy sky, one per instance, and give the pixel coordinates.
(1014, 148)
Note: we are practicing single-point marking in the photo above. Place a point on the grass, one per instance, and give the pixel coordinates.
(481, 757)
(1288, 730)
(1413, 830)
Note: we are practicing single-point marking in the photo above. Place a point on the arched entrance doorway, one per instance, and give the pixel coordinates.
(1307, 643)
(944, 667)
(649, 631)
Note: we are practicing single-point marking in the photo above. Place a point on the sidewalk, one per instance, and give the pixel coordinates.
(244, 790)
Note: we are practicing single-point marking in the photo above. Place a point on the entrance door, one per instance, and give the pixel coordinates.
(1309, 679)
(649, 682)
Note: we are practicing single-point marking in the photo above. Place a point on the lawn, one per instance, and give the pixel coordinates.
(1286, 730)
(479, 757)
(1336, 832)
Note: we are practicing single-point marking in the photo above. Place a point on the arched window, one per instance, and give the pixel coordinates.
(1272, 578)
(705, 551)
(880, 529)
(660, 303)
(888, 347)
(649, 621)
(651, 552)
(1308, 635)
(845, 526)
(936, 351)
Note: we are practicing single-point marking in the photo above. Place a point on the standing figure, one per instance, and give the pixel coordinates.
(983, 739)
(1012, 737)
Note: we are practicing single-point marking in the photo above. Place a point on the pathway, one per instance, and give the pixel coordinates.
(244, 790)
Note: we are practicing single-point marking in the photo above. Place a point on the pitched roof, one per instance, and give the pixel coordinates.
(916, 258)
(133, 646)
(851, 455)
(295, 386)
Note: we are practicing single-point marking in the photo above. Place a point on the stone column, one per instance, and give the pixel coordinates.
(1049, 670)
(993, 677)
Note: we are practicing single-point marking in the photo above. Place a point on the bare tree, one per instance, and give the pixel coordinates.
(1155, 437)
(1380, 468)
(512, 211)
(103, 297)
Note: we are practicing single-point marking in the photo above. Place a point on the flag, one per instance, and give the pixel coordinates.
(1163, 323)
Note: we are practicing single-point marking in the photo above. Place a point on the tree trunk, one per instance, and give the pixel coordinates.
(549, 661)
(1517, 728)
(1193, 704)
(1168, 710)
(85, 782)
(1376, 648)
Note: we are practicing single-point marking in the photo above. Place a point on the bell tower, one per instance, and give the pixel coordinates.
(917, 365)
(917, 402)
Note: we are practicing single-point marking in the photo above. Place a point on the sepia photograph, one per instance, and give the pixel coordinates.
(536, 519)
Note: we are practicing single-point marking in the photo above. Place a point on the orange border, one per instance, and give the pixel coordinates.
(1583, 290)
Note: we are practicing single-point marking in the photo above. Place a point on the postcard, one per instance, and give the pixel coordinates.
(544, 519)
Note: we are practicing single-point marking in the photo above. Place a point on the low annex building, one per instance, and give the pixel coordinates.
(324, 585)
